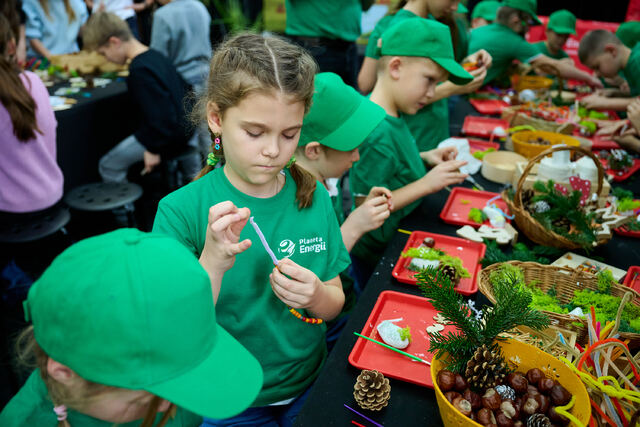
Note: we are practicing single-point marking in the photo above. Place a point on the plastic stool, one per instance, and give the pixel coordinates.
(104, 196)
(32, 226)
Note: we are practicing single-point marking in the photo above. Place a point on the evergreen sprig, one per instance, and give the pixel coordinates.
(476, 328)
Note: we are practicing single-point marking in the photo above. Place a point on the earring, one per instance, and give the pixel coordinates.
(215, 140)
(291, 161)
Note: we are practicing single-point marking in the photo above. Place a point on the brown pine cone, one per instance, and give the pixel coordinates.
(372, 390)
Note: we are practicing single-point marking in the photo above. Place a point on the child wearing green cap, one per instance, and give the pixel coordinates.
(338, 122)
(504, 40)
(605, 54)
(484, 13)
(561, 25)
(416, 54)
(258, 91)
(629, 33)
(116, 341)
(431, 124)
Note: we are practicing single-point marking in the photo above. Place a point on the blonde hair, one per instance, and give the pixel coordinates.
(100, 27)
(31, 355)
(250, 63)
(67, 7)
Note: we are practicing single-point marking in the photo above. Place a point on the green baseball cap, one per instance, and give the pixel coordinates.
(462, 8)
(562, 22)
(423, 38)
(486, 9)
(528, 6)
(629, 33)
(135, 310)
(339, 118)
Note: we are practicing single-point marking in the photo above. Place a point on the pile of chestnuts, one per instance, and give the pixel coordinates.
(525, 396)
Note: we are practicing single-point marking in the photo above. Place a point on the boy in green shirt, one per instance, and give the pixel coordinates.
(605, 54)
(484, 13)
(561, 25)
(504, 40)
(415, 55)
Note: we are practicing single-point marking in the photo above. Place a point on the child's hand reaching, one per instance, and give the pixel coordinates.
(221, 245)
(295, 285)
(445, 174)
(439, 155)
(372, 213)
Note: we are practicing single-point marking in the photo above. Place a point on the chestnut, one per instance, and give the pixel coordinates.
(451, 395)
(485, 417)
(462, 405)
(460, 383)
(491, 399)
(518, 403)
(530, 406)
(534, 375)
(560, 396)
(557, 418)
(531, 390)
(446, 380)
(544, 403)
(473, 398)
(509, 409)
(503, 420)
(545, 385)
(517, 382)
(518, 424)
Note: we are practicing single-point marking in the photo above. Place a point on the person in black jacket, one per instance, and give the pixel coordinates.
(157, 89)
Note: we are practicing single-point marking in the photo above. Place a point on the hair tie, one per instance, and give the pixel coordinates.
(61, 412)
(291, 161)
(212, 159)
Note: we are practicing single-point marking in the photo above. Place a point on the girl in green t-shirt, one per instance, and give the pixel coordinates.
(258, 91)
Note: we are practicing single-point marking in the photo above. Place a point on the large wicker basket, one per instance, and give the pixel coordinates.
(516, 117)
(529, 225)
(566, 280)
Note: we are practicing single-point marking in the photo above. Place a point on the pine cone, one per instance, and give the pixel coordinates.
(449, 271)
(538, 420)
(486, 368)
(541, 206)
(371, 390)
(527, 195)
(505, 392)
(562, 223)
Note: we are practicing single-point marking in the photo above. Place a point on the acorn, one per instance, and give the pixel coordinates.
(460, 383)
(560, 396)
(446, 380)
(491, 399)
(517, 382)
(473, 398)
(462, 405)
(534, 375)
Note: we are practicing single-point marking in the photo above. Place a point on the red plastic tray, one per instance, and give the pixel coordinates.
(469, 252)
(455, 212)
(599, 142)
(417, 313)
(617, 178)
(488, 106)
(632, 279)
(482, 126)
(480, 145)
(623, 231)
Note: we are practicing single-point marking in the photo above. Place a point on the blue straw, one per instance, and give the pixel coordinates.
(366, 418)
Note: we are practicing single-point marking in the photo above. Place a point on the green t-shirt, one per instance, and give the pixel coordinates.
(542, 48)
(462, 45)
(332, 19)
(430, 125)
(33, 407)
(504, 45)
(632, 70)
(290, 351)
(381, 27)
(629, 33)
(389, 158)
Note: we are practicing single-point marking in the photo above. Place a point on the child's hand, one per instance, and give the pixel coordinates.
(594, 102)
(221, 245)
(300, 289)
(445, 174)
(151, 160)
(633, 113)
(439, 155)
(373, 212)
(480, 57)
(611, 128)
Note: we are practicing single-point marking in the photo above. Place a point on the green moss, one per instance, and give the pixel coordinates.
(606, 307)
(433, 254)
(628, 205)
(605, 280)
(405, 333)
(477, 216)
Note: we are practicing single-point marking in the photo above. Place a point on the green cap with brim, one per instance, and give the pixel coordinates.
(339, 118)
(424, 38)
(135, 310)
(462, 8)
(562, 22)
(629, 33)
(486, 9)
(527, 6)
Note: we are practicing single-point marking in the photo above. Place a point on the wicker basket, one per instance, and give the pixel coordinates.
(516, 117)
(529, 225)
(566, 280)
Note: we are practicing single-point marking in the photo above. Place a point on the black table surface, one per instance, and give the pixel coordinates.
(411, 404)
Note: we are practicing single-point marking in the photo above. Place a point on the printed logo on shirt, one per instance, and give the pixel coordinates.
(305, 246)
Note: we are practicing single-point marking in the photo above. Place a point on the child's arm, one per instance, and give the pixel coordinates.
(160, 36)
(222, 244)
(629, 142)
(368, 74)
(366, 217)
(567, 71)
(599, 102)
(38, 47)
(301, 288)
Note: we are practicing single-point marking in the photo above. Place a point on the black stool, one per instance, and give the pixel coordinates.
(31, 226)
(105, 196)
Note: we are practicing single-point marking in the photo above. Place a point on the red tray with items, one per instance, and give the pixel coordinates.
(456, 212)
(482, 127)
(599, 142)
(480, 145)
(624, 175)
(624, 231)
(469, 252)
(632, 279)
(488, 106)
(417, 313)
